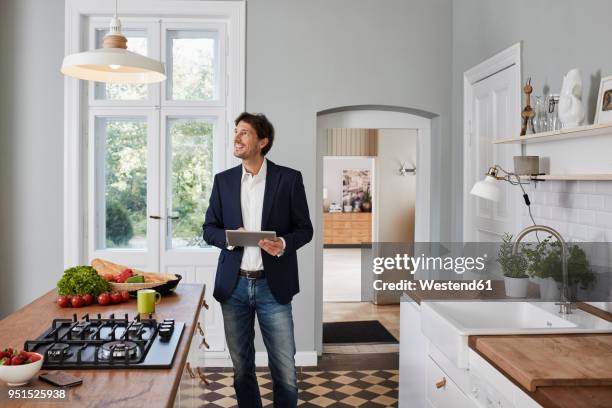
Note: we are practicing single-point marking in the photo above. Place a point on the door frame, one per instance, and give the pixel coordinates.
(507, 58)
(376, 117)
(75, 99)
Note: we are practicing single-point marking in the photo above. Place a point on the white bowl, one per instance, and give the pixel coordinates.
(21, 374)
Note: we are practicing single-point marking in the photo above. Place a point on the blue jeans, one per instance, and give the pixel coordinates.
(251, 297)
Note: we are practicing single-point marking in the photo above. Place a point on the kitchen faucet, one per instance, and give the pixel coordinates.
(565, 305)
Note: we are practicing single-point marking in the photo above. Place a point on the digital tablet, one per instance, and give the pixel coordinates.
(244, 238)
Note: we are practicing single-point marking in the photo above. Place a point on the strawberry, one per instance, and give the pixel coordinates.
(17, 360)
(5, 361)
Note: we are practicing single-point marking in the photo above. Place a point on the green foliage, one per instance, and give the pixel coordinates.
(513, 265)
(118, 225)
(192, 175)
(367, 197)
(545, 262)
(81, 280)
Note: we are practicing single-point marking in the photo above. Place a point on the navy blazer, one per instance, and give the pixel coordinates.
(285, 211)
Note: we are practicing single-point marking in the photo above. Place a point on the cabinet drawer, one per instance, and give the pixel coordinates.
(341, 233)
(328, 217)
(341, 224)
(442, 391)
(360, 233)
(365, 225)
(361, 216)
(327, 233)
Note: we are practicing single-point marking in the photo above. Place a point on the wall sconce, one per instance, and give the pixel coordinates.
(405, 170)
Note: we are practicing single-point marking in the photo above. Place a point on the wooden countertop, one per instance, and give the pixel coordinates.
(564, 386)
(113, 387)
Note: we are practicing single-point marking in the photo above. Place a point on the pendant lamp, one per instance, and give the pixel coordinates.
(113, 63)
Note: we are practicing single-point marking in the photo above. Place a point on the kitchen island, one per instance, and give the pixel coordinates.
(119, 387)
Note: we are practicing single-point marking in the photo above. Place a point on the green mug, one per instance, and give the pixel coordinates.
(147, 299)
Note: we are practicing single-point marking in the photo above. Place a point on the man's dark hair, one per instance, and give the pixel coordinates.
(262, 126)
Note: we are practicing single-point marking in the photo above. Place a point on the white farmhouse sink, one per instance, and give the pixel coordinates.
(448, 324)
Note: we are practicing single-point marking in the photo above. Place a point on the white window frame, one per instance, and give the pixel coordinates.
(152, 27)
(77, 105)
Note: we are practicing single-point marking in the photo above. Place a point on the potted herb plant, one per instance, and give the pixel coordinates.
(545, 263)
(366, 205)
(514, 267)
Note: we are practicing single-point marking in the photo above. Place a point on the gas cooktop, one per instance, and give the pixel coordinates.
(113, 342)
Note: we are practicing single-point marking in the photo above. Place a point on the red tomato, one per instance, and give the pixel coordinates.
(63, 301)
(125, 295)
(87, 299)
(77, 301)
(104, 299)
(116, 297)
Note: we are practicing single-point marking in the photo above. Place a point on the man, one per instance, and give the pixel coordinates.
(258, 195)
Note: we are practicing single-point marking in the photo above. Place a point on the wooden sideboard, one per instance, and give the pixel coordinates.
(347, 228)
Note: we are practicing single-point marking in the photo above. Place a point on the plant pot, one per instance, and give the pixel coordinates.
(516, 287)
(549, 289)
(366, 206)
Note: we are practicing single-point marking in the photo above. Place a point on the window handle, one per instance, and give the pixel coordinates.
(155, 217)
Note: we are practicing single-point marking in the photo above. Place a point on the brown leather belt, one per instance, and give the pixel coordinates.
(252, 274)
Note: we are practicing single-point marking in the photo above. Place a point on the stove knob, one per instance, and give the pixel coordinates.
(165, 333)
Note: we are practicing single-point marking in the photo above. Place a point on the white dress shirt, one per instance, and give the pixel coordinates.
(252, 189)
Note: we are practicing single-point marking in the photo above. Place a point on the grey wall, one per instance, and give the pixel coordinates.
(396, 193)
(31, 149)
(307, 56)
(557, 36)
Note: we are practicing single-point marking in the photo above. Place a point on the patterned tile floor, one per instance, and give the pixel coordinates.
(333, 389)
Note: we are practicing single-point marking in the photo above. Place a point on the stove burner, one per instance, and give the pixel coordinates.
(56, 350)
(82, 327)
(118, 349)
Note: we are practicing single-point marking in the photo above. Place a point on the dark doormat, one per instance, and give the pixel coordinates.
(366, 331)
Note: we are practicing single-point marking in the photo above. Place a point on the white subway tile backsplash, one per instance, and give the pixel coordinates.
(587, 217)
(595, 202)
(586, 187)
(578, 201)
(603, 187)
(580, 210)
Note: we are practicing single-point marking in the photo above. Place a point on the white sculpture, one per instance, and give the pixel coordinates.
(571, 110)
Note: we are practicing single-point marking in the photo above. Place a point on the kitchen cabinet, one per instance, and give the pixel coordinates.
(347, 228)
(429, 379)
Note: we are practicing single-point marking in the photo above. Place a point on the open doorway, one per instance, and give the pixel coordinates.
(396, 121)
(369, 191)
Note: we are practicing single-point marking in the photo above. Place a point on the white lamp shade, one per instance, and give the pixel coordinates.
(115, 65)
(486, 189)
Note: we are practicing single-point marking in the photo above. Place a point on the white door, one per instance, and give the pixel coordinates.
(153, 153)
(492, 111)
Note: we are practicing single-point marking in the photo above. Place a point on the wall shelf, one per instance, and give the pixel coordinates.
(570, 133)
(574, 177)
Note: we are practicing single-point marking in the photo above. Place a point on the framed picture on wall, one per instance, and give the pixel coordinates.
(355, 189)
(603, 114)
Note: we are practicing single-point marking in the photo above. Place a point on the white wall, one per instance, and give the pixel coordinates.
(31, 158)
(396, 193)
(333, 176)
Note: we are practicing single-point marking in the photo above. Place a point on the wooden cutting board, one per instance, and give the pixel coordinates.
(550, 360)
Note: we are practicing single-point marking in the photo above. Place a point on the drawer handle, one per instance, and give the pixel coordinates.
(204, 304)
(200, 329)
(441, 383)
(204, 344)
